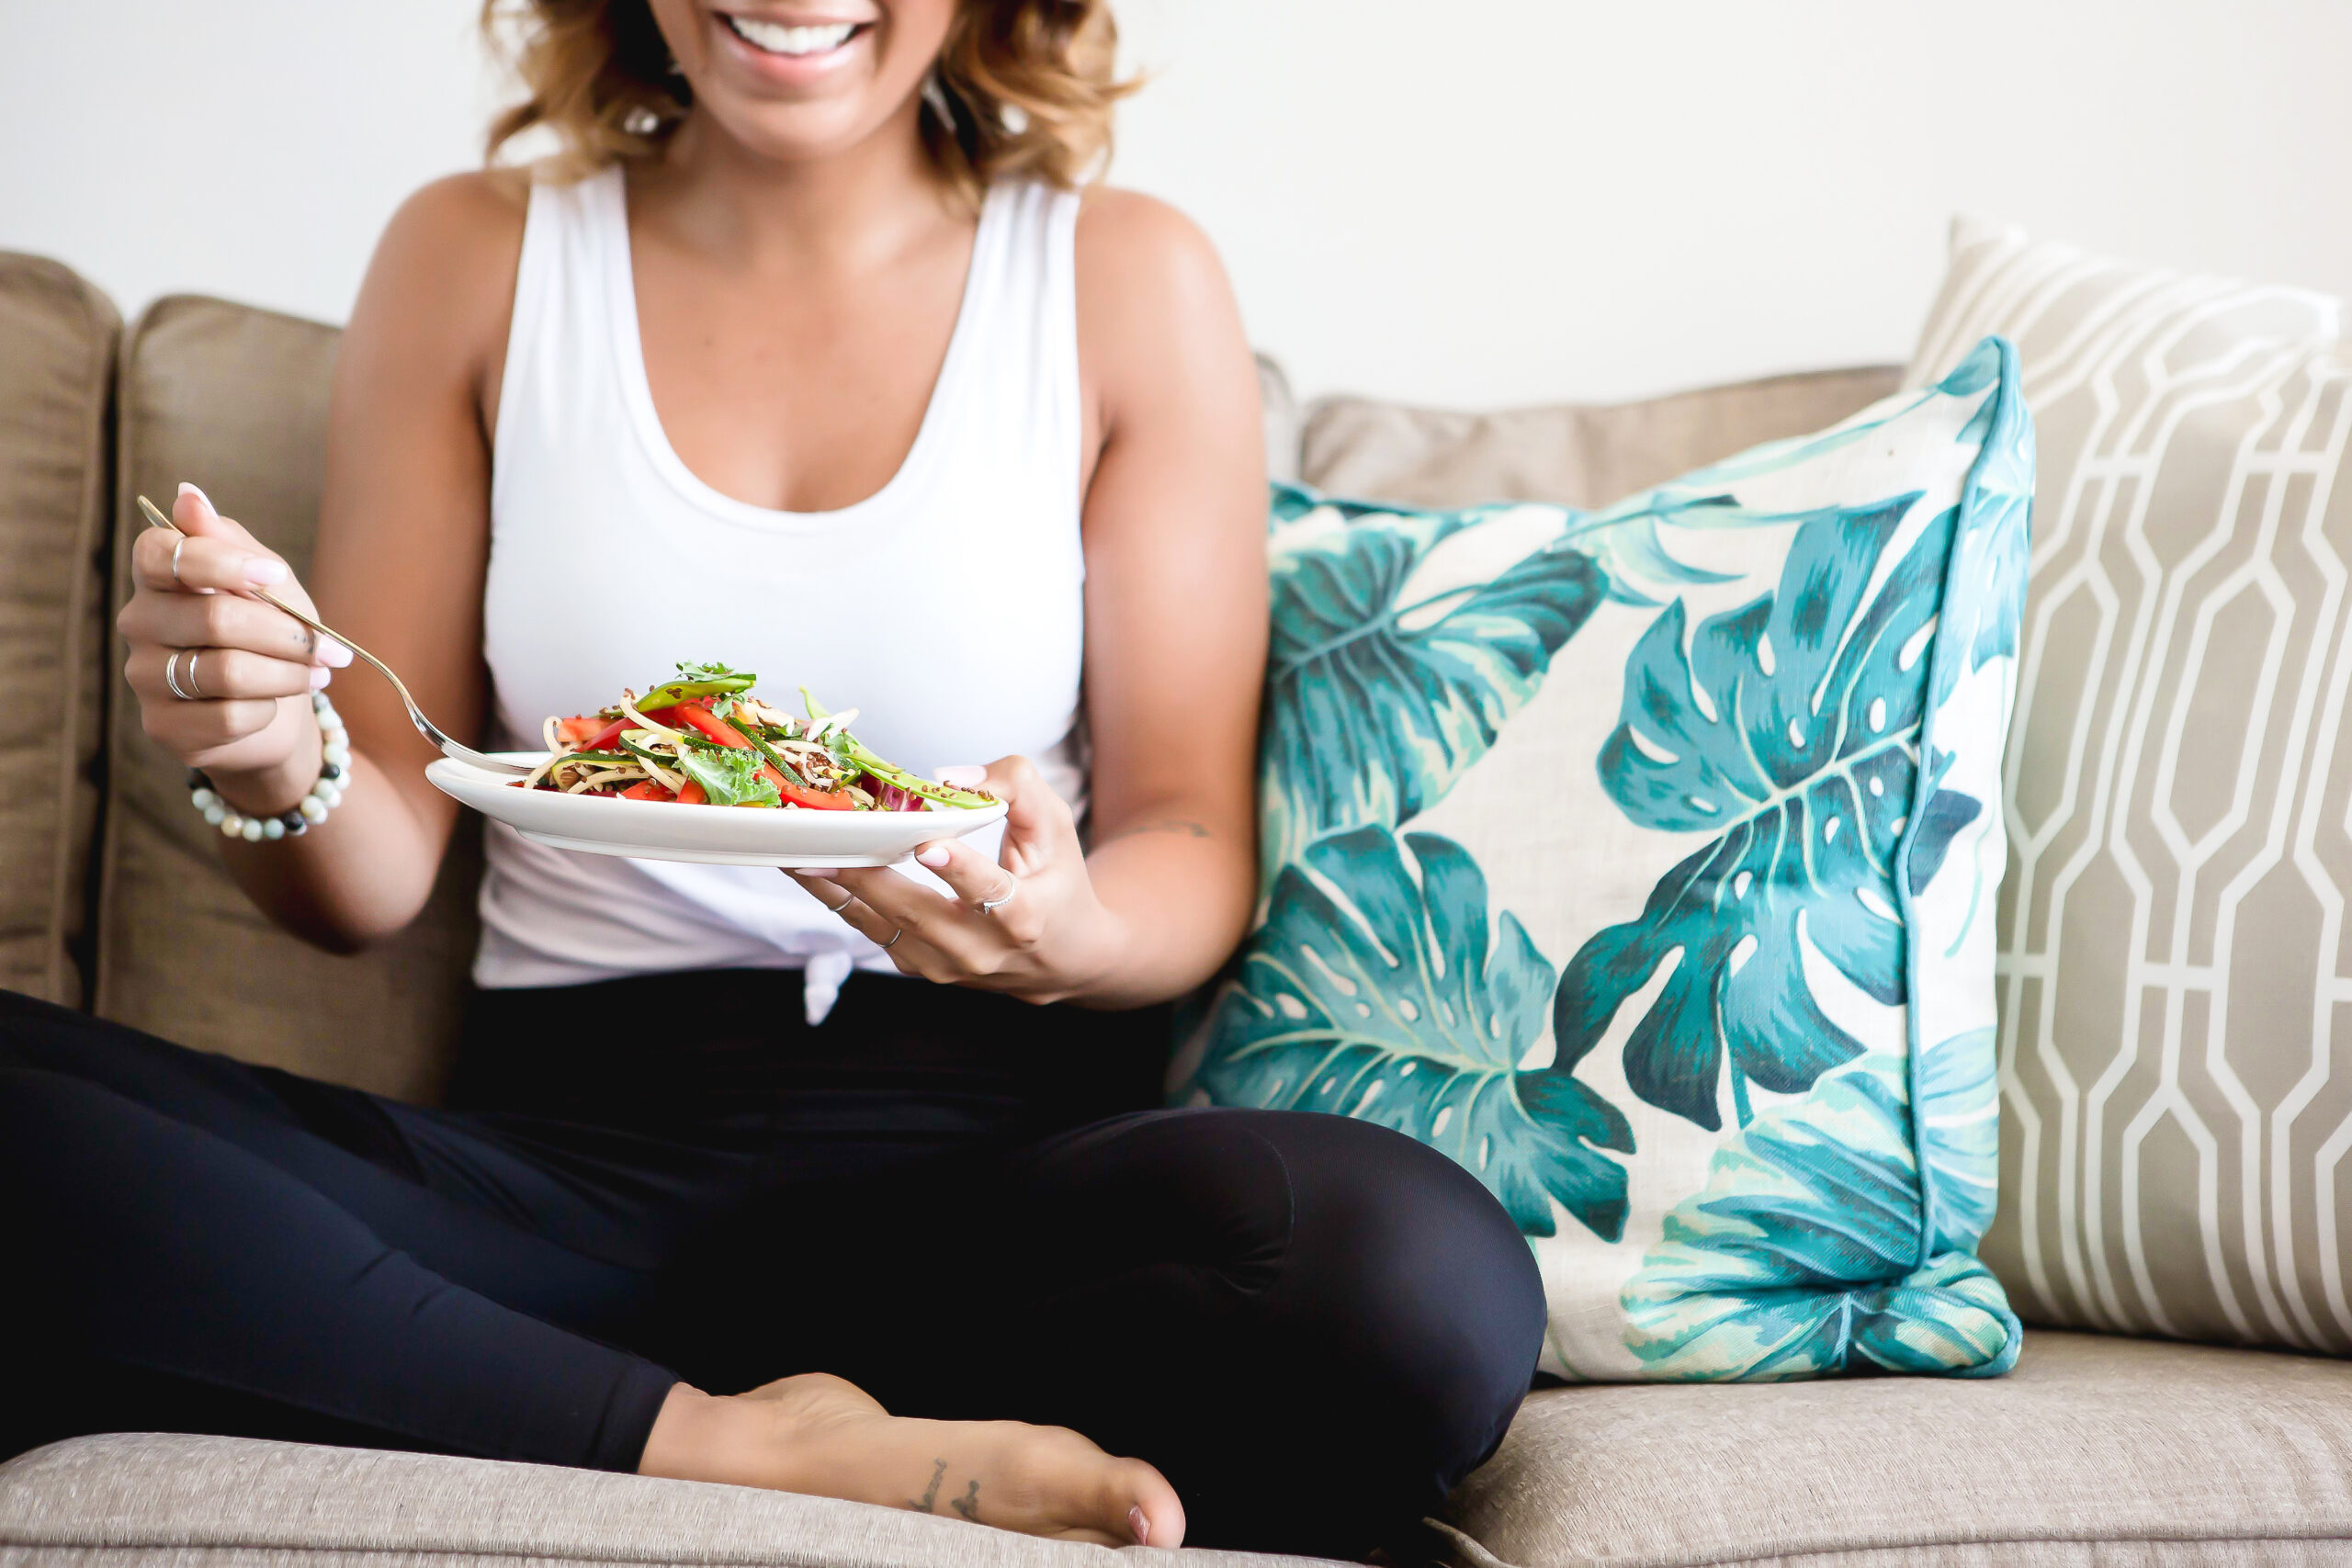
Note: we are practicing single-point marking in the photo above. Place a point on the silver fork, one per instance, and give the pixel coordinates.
(424, 726)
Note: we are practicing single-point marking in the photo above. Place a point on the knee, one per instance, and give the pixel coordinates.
(1412, 1277)
(34, 1106)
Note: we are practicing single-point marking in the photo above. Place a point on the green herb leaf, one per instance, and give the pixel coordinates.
(728, 775)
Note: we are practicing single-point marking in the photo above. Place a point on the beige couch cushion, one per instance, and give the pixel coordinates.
(57, 346)
(2176, 1050)
(1575, 455)
(1281, 415)
(235, 399)
(2095, 1452)
(234, 1503)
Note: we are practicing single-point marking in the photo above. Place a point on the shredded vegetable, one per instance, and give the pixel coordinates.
(704, 739)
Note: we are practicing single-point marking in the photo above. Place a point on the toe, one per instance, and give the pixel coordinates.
(1142, 1507)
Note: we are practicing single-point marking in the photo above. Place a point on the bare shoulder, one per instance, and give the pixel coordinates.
(1156, 314)
(443, 272)
(1137, 248)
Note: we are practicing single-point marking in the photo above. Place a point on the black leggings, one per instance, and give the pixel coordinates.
(1314, 1326)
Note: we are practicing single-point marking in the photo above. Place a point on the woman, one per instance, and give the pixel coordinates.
(808, 357)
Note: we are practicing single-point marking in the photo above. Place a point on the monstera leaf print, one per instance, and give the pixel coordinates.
(1787, 730)
(1983, 605)
(1956, 1098)
(1391, 998)
(1801, 1257)
(1374, 705)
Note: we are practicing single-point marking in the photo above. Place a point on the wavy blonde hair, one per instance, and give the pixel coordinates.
(1029, 84)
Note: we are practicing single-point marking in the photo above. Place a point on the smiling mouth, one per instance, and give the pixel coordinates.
(792, 42)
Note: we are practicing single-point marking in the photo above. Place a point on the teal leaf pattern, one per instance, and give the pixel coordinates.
(1957, 1099)
(1799, 1257)
(1787, 728)
(1375, 706)
(1391, 997)
(1983, 609)
(1824, 750)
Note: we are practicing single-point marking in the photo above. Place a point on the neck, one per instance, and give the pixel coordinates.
(852, 207)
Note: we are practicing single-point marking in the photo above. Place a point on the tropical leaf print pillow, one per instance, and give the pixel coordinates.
(1644, 861)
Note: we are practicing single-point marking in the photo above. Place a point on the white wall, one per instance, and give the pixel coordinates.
(1475, 202)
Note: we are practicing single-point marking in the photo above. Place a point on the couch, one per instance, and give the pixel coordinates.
(2097, 1451)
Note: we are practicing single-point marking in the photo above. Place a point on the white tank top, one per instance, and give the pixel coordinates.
(946, 607)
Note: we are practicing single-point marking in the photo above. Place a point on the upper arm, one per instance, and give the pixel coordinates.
(1174, 523)
(403, 532)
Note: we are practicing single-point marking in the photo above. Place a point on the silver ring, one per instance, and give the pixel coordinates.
(894, 939)
(848, 899)
(176, 548)
(990, 906)
(193, 690)
(171, 679)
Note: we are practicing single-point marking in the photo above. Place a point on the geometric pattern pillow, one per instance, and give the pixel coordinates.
(1644, 861)
(2176, 962)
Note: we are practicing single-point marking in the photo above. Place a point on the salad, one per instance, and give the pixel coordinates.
(704, 739)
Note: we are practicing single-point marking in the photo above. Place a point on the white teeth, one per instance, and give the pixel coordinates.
(777, 38)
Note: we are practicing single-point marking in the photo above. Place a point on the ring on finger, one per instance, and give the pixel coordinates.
(171, 678)
(193, 690)
(896, 933)
(848, 899)
(178, 546)
(990, 906)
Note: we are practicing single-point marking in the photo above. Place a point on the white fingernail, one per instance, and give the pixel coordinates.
(262, 572)
(933, 856)
(333, 652)
(963, 775)
(319, 678)
(187, 488)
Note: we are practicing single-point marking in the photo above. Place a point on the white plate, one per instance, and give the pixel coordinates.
(709, 835)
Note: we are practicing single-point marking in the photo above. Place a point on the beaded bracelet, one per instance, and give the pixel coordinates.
(334, 762)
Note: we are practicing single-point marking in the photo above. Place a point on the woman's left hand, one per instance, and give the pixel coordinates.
(1028, 924)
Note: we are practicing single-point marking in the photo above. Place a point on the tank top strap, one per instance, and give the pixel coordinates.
(559, 344)
(1015, 383)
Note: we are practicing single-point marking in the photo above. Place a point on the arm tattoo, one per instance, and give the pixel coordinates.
(1183, 826)
(968, 1505)
(931, 1496)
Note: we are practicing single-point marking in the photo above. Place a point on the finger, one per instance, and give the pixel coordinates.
(213, 564)
(905, 902)
(225, 620)
(840, 902)
(189, 729)
(221, 674)
(1036, 820)
(902, 937)
(942, 940)
(976, 878)
(195, 514)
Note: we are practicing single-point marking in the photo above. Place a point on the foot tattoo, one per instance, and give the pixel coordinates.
(931, 1496)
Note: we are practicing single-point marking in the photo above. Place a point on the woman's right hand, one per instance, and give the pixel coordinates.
(250, 725)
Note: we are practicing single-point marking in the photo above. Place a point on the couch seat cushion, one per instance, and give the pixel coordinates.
(224, 1501)
(2095, 1451)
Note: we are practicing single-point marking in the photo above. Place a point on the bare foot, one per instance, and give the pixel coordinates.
(826, 1437)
